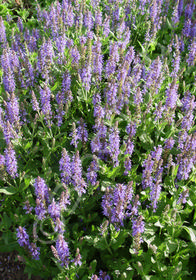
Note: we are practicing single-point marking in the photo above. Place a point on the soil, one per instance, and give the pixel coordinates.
(12, 267)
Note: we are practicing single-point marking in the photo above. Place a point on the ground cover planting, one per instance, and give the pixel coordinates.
(98, 138)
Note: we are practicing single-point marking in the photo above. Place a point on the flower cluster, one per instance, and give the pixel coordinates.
(93, 101)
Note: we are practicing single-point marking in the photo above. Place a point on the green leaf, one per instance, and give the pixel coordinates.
(28, 145)
(117, 242)
(174, 171)
(93, 265)
(5, 248)
(172, 246)
(192, 234)
(55, 86)
(8, 190)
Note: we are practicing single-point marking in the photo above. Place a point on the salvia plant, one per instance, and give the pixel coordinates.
(98, 138)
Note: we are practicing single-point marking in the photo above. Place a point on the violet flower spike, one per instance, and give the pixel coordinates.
(11, 161)
(65, 167)
(77, 180)
(23, 237)
(62, 250)
(114, 144)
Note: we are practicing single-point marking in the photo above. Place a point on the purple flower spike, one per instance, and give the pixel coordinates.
(2, 160)
(86, 73)
(147, 172)
(23, 238)
(192, 53)
(2, 31)
(92, 172)
(65, 167)
(116, 201)
(114, 144)
(64, 199)
(171, 95)
(12, 110)
(78, 181)
(45, 95)
(97, 59)
(34, 101)
(103, 275)
(137, 226)
(106, 26)
(40, 209)
(183, 197)
(11, 161)
(35, 251)
(41, 189)
(77, 260)
(54, 210)
(82, 131)
(127, 166)
(62, 250)
(74, 135)
(59, 226)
